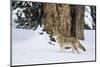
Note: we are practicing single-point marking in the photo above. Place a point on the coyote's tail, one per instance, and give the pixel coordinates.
(82, 47)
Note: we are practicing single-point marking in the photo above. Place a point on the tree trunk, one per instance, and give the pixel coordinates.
(57, 18)
(64, 19)
(77, 14)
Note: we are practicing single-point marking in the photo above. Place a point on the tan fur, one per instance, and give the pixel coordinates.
(74, 43)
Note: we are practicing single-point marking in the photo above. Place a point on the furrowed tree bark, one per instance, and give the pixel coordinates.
(77, 14)
(64, 19)
(57, 18)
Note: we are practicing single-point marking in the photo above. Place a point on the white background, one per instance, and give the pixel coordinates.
(5, 33)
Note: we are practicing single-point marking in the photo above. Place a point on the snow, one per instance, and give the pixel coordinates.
(88, 18)
(14, 16)
(29, 47)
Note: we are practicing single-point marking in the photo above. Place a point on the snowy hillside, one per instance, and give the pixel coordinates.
(29, 47)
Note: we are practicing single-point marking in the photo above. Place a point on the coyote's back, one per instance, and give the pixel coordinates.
(72, 43)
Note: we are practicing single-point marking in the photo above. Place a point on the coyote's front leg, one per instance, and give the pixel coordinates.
(61, 48)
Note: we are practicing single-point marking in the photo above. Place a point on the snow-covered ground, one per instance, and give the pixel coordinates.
(29, 47)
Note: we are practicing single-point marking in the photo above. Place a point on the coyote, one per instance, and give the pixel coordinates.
(72, 43)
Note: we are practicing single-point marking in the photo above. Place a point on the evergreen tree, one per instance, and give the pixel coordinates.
(32, 13)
